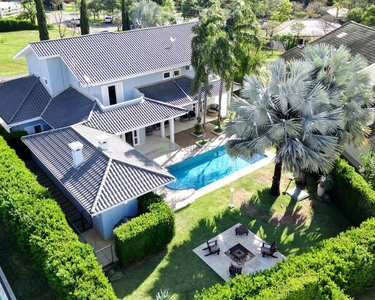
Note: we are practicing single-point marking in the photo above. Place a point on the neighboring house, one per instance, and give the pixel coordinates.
(98, 91)
(312, 29)
(359, 39)
(334, 13)
(101, 175)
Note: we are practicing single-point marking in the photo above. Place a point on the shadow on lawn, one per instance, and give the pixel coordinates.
(295, 226)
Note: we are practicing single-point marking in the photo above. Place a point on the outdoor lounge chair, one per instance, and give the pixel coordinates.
(234, 270)
(188, 116)
(269, 250)
(212, 247)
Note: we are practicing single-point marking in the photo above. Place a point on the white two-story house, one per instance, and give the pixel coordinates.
(89, 99)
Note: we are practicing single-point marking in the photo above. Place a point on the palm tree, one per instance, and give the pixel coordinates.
(147, 14)
(308, 110)
(203, 44)
(84, 18)
(42, 23)
(125, 17)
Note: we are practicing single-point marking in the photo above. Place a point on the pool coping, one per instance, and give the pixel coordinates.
(178, 199)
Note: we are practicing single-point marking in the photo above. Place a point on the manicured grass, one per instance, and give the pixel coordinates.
(272, 55)
(11, 43)
(26, 280)
(294, 226)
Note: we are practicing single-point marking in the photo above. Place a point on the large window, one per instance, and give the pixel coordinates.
(166, 75)
(112, 95)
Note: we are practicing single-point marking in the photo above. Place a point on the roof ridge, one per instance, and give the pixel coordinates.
(361, 25)
(163, 103)
(163, 172)
(182, 90)
(24, 99)
(105, 175)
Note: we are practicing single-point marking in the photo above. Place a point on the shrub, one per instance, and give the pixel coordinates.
(40, 228)
(13, 139)
(345, 264)
(146, 234)
(352, 194)
(146, 200)
(9, 24)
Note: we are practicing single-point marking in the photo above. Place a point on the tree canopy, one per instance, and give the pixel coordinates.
(308, 109)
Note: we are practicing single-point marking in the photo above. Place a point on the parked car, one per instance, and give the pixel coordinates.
(107, 19)
(75, 22)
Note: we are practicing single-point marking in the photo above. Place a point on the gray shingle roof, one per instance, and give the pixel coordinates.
(168, 92)
(359, 39)
(22, 99)
(106, 178)
(96, 58)
(176, 91)
(128, 118)
(68, 108)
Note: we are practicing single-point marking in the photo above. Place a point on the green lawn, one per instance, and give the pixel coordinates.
(26, 280)
(11, 43)
(295, 226)
(272, 55)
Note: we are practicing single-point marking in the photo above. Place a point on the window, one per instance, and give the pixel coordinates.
(135, 138)
(176, 73)
(166, 75)
(112, 95)
(37, 128)
(45, 81)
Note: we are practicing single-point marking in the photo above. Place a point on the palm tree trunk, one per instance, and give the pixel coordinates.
(220, 96)
(204, 111)
(199, 101)
(275, 188)
(301, 181)
(42, 23)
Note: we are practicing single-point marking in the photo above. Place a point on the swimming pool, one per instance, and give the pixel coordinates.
(205, 168)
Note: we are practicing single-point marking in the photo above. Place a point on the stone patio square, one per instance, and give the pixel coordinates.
(228, 240)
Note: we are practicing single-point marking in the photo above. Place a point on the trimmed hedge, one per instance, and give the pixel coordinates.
(146, 234)
(345, 264)
(352, 193)
(13, 139)
(9, 24)
(40, 228)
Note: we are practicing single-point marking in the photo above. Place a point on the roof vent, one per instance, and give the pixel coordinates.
(172, 39)
(103, 140)
(342, 34)
(76, 153)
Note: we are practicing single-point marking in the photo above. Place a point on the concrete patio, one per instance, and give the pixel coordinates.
(226, 240)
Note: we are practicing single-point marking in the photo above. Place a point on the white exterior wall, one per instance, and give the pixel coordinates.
(104, 222)
(371, 70)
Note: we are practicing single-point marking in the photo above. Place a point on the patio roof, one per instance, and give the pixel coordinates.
(144, 113)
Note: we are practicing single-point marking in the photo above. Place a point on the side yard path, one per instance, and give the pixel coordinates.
(295, 226)
(24, 277)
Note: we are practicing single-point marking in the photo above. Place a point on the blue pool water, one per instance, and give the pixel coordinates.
(203, 169)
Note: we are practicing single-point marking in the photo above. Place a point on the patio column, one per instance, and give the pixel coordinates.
(171, 130)
(162, 129)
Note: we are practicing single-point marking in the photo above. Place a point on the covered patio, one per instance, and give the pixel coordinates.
(227, 240)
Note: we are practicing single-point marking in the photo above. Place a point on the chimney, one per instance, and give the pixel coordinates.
(103, 140)
(76, 153)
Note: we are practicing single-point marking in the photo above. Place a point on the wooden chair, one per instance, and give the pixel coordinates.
(212, 247)
(234, 270)
(269, 250)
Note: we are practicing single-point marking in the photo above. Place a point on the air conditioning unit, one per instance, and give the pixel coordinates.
(187, 67)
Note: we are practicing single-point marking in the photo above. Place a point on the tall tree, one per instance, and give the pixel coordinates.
(84, 18)
(203, 43)
(309, 110)
(42, 23)
(147, 14)
(125, 14)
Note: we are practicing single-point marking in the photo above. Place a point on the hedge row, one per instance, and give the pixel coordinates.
(352, 194)
(13, 139)
(146, 234)
(345, 264)
(40, 228)
(9, 24)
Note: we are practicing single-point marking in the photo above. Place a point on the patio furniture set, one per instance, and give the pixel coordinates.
(238, 253)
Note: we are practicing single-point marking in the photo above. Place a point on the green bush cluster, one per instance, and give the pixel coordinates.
(146, 234)
(40, 228)
(13, 139)
(9, 24)
(352, 193)
(337, 266)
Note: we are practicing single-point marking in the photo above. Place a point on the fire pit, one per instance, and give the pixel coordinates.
(239, 254)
